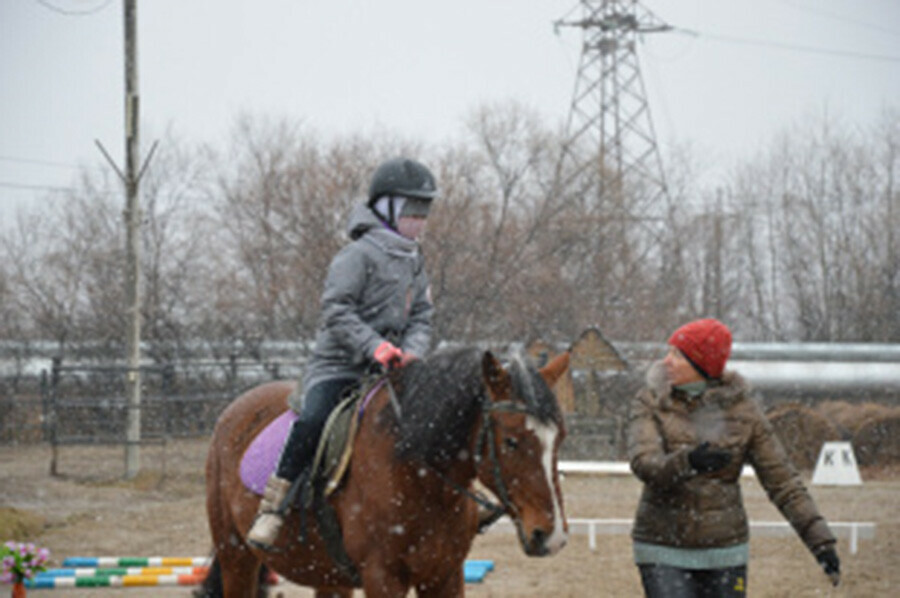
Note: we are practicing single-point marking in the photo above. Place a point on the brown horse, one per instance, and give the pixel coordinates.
(405, 508)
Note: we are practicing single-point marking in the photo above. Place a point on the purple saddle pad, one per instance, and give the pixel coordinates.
(261, 457)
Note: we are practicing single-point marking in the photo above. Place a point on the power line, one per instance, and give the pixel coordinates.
(38, 162)
(26, 186)
(791, 47)
(839, 17)
(73, 13)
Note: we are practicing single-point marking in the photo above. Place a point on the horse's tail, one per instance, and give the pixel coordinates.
(212, 584)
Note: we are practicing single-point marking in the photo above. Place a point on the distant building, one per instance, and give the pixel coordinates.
(593, 393)
(596, 363)
(541, 352)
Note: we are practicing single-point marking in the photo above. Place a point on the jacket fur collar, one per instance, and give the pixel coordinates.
(730, 389)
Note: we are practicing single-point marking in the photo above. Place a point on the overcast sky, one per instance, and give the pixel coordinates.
(749, 69)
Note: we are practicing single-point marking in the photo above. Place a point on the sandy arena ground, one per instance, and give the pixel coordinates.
(90, 511)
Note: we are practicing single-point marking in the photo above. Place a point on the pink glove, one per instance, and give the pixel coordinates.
(388, 355)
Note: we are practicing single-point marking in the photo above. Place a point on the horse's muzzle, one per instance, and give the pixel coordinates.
(540, 543)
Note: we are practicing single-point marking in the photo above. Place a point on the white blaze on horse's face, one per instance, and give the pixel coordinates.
(546, 434)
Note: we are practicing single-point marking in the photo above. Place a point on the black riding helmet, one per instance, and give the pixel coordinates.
(402, 177)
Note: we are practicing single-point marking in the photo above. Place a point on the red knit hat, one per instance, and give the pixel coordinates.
(706, 344)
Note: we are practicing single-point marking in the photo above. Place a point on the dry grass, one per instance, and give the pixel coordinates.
(802, 431)
(878, 441)
(850, 417)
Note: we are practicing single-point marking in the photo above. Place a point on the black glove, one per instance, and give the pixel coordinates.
(705, 460)
(830, 562)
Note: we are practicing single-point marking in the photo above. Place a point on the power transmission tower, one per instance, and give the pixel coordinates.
(609, 128)
(610, 167)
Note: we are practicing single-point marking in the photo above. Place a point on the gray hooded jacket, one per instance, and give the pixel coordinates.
(376, 290)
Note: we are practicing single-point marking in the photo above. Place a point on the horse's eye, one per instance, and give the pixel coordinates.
(511, 443)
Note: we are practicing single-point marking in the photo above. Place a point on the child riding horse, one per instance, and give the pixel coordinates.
(376, 309)
(405, 508)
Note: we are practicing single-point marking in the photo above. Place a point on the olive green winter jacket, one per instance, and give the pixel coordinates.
(682, 508)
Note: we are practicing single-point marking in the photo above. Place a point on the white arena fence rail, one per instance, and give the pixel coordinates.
(612, 468)
(853, 530)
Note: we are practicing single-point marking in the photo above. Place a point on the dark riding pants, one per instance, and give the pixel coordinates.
(300, 445)
(661, 581)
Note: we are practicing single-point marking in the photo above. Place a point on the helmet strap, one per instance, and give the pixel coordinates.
(387, 209)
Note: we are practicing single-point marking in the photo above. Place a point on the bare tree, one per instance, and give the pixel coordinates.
(494, 254)
(62, 265)
(801, 244)
(175, 235)
(816, 228)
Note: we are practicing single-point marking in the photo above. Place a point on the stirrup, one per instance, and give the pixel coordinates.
(260, 544)
(268, 547)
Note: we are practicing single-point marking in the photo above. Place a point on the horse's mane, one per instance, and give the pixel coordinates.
(441, 396)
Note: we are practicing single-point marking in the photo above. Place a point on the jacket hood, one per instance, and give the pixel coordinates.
(730, 389)
(363, 222)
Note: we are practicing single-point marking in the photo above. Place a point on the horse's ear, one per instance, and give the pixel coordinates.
(495, 376)
(555, 369)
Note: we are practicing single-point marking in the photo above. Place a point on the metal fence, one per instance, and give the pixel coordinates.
(21, 409)
(87, 404)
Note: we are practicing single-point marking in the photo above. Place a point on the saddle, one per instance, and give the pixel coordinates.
(336, 445)
(332, 456)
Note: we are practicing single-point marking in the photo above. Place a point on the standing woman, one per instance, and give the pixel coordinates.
(690, 431)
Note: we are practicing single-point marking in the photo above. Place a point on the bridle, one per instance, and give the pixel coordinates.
(486, 437)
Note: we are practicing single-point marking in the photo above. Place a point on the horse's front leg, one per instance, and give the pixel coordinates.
(240, 573)
(452, 586)
(380, 582)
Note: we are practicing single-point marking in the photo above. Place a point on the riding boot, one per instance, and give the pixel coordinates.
(295, 461)
(270, 516)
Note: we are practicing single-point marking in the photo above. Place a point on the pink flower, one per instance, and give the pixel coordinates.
(21, 561)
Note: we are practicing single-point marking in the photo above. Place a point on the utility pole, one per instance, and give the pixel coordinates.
(132, 216)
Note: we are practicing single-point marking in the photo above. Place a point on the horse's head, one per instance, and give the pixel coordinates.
(522, 429)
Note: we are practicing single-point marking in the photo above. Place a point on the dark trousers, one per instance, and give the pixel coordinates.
(300, 445)
(661, 581)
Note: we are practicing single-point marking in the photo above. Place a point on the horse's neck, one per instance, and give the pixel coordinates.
(446, 485)
(447, 479)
